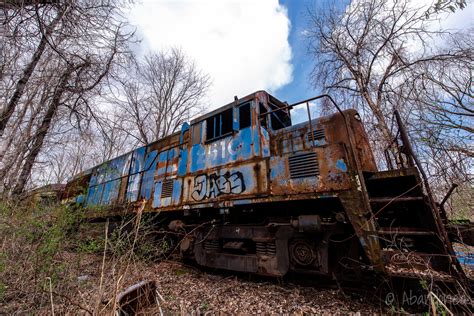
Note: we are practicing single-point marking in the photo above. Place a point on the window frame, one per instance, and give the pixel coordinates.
(219, 115)
(274, 116)
(249, 104)
(263, 117)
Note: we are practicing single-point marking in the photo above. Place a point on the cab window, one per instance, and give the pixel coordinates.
(279, 118)
(219, 125)
(263, 117)
(245, 118)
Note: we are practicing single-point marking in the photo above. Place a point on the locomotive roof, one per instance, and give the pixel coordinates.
(234, 103)
(167, 141)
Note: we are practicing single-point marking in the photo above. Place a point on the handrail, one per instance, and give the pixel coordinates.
(309, 112)
(436, 210)
(311, 124)
(290, 106)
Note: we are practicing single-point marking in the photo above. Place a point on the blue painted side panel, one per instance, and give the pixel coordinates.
(200, 172)
(163, 166)
(104, 185)
(255, 136)
(183, 163)
(177, 187)
(149, 174)
(223, 151)
(111, 192)
(133, 187)
(95, 194)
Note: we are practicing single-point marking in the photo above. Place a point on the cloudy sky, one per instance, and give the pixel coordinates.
(245, 45)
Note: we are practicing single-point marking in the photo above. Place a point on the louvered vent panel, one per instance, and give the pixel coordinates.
(167, 188)
(303, 165)
(317, 134)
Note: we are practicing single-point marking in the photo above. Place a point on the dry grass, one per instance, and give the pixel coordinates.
(48, 265)
(45, 245)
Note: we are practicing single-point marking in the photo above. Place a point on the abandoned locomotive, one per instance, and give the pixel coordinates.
(248, 191)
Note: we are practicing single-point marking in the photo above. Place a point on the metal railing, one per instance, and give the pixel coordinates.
(438, 211)
(291, 106)
(356, 169)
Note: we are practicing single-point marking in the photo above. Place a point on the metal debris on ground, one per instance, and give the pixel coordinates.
(136, 297)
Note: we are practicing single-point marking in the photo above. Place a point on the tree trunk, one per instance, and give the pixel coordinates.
(14, 133)
(21, 84)
(388, 137)
(42, 132)
(11, 165)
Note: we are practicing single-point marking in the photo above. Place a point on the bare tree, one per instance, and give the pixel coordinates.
(377, 55)
(77, 51)
(159, 95)
(44, 128)
(29, 68)
(444, 96)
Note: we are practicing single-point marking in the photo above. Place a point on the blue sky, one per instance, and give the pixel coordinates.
(300, 87)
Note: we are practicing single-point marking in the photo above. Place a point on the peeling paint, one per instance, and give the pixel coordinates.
(341, 165)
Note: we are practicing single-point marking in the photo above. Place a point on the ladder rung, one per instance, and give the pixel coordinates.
(395, 199)
(393, 174)
(404, 231)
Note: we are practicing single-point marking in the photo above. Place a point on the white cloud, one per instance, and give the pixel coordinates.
(242, 45)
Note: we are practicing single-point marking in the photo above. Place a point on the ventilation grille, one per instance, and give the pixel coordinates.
(213, 245)
(303, 165)
(317, 134)
(167, 188)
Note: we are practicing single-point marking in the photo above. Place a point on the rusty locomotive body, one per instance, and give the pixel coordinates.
(248, 191)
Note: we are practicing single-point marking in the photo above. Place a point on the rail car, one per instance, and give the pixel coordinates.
(249, 191)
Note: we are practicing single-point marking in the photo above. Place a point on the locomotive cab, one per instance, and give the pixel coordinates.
(249, 149)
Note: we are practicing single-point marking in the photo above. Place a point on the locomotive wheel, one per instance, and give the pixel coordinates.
(301, 253)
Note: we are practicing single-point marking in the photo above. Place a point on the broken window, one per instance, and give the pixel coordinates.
(280, 118)
(219, 125)
(244, 116)
(263, 115)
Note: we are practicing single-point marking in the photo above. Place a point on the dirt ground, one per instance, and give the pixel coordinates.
(185, 290)
(188, 290)
(191, 290)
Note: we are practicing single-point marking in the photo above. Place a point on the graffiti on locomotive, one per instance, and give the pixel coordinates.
(212, 185)
(221, 151)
